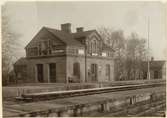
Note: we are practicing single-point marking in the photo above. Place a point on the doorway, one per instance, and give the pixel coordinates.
(40, 73)
(52, 72)
(76, 72)
(94, 72)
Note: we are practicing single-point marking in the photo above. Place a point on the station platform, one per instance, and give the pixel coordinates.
(13, 91)
(65, 106)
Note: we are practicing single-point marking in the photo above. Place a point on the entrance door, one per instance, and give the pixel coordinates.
(40, 72)
(76, 72)
(52, 72)
(94, 72)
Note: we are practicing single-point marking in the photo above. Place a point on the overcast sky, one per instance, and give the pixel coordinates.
(28, 17)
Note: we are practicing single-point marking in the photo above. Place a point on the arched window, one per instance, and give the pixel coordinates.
(91, 47)
(88, 47)
(95, 45)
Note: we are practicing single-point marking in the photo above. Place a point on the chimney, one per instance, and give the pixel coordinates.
(80, 29)
(66, 27)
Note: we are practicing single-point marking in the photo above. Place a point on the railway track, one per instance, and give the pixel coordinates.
(82, 92)
(143, 109)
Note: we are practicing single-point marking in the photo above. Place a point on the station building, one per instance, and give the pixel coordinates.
(157, 69)
(62, 56)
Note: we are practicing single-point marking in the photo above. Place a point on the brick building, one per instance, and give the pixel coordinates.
(62, 56)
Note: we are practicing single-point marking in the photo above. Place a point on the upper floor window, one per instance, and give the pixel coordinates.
(33, 51)
(104, 54)
(72, 51)
(75, 51)
(44, 48)
(57, 51)
(93, 47)
(81, 51)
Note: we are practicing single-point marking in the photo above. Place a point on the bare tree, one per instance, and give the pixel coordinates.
(129, 53)
(116, 40)
(10, 45)
(136, 54)
(106, 34)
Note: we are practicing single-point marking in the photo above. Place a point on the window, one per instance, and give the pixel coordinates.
(94, 70)
(94, 48)
(81, 51)
(44, 47)
(155, 74)
(40, 51)
(57, 49)
(104, 54)
(33, 51)
(108, 71)
(91, 47)
(72, 51)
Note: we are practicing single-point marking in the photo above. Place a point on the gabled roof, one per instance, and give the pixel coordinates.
(85, 34)
(71, 38)
(63, 36)
(21, 61)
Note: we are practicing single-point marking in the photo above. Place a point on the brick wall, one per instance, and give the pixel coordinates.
(60, 68)
(101, 65)
(101, 62)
